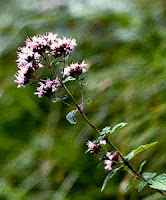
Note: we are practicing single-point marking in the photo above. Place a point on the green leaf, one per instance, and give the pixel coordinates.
(69, 78)
(88, 150)
(127, 188)
(88, 101)
(71, 117)
(98, 139)
(141, 186)
(148, 175)
(139, 150)
(64, 97)
(108, 177)
(55, 100)
(106, 130)
(118, 126)
(84, 83)
(158, 182)
(141, 166)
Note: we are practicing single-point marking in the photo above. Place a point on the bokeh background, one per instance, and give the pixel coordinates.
(42, 156)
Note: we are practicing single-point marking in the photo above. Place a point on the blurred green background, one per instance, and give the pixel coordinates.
(124, 42)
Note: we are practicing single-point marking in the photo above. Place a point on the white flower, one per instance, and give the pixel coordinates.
(103, 142)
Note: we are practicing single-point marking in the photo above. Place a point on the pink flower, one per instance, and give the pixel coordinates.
(95, 147)
(110, 161)
(62, 47)
(108, 165)
(48, 88)
(29, 56)
(90, 145)
(23, 75)
(74, 69)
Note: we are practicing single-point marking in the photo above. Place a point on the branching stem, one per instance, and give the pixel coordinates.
(125, 162)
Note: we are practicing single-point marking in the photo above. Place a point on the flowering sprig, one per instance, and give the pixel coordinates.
(36, 48)
(41, 52)
(48, 88)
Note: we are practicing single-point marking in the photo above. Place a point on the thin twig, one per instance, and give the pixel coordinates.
(82, 94)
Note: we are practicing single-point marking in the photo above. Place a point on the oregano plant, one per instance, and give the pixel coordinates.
(43, 61)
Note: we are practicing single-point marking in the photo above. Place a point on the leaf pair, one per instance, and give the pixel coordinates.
(108, 130)
(158, 182)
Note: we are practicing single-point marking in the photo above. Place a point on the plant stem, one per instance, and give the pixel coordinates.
(126, 163)
(96, 130)
(82, 95)
(79, 108)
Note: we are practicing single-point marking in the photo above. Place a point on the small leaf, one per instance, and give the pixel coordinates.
(118, 126)
(65, 97)
(108, 177)
(69, 78)
(57, 63)
(141, 166)
(71, 117)
(88, 101)
(106, 130)
(148, 175)
(159, 182)
(100, 163)
(88, 150)
(139, 150)
(99, 139)
(84, 83)
(141, 186)
(127, 188)
(55, 100)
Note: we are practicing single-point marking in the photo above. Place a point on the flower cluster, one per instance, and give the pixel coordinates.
(48, 88)
(94, 148)
(74, 69)
(110, 161)
(29, 56)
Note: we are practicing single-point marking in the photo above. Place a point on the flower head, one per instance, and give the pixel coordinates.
(74, 69)
(62, 47)
(48, 88)
(108, 165)
(37, 47)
